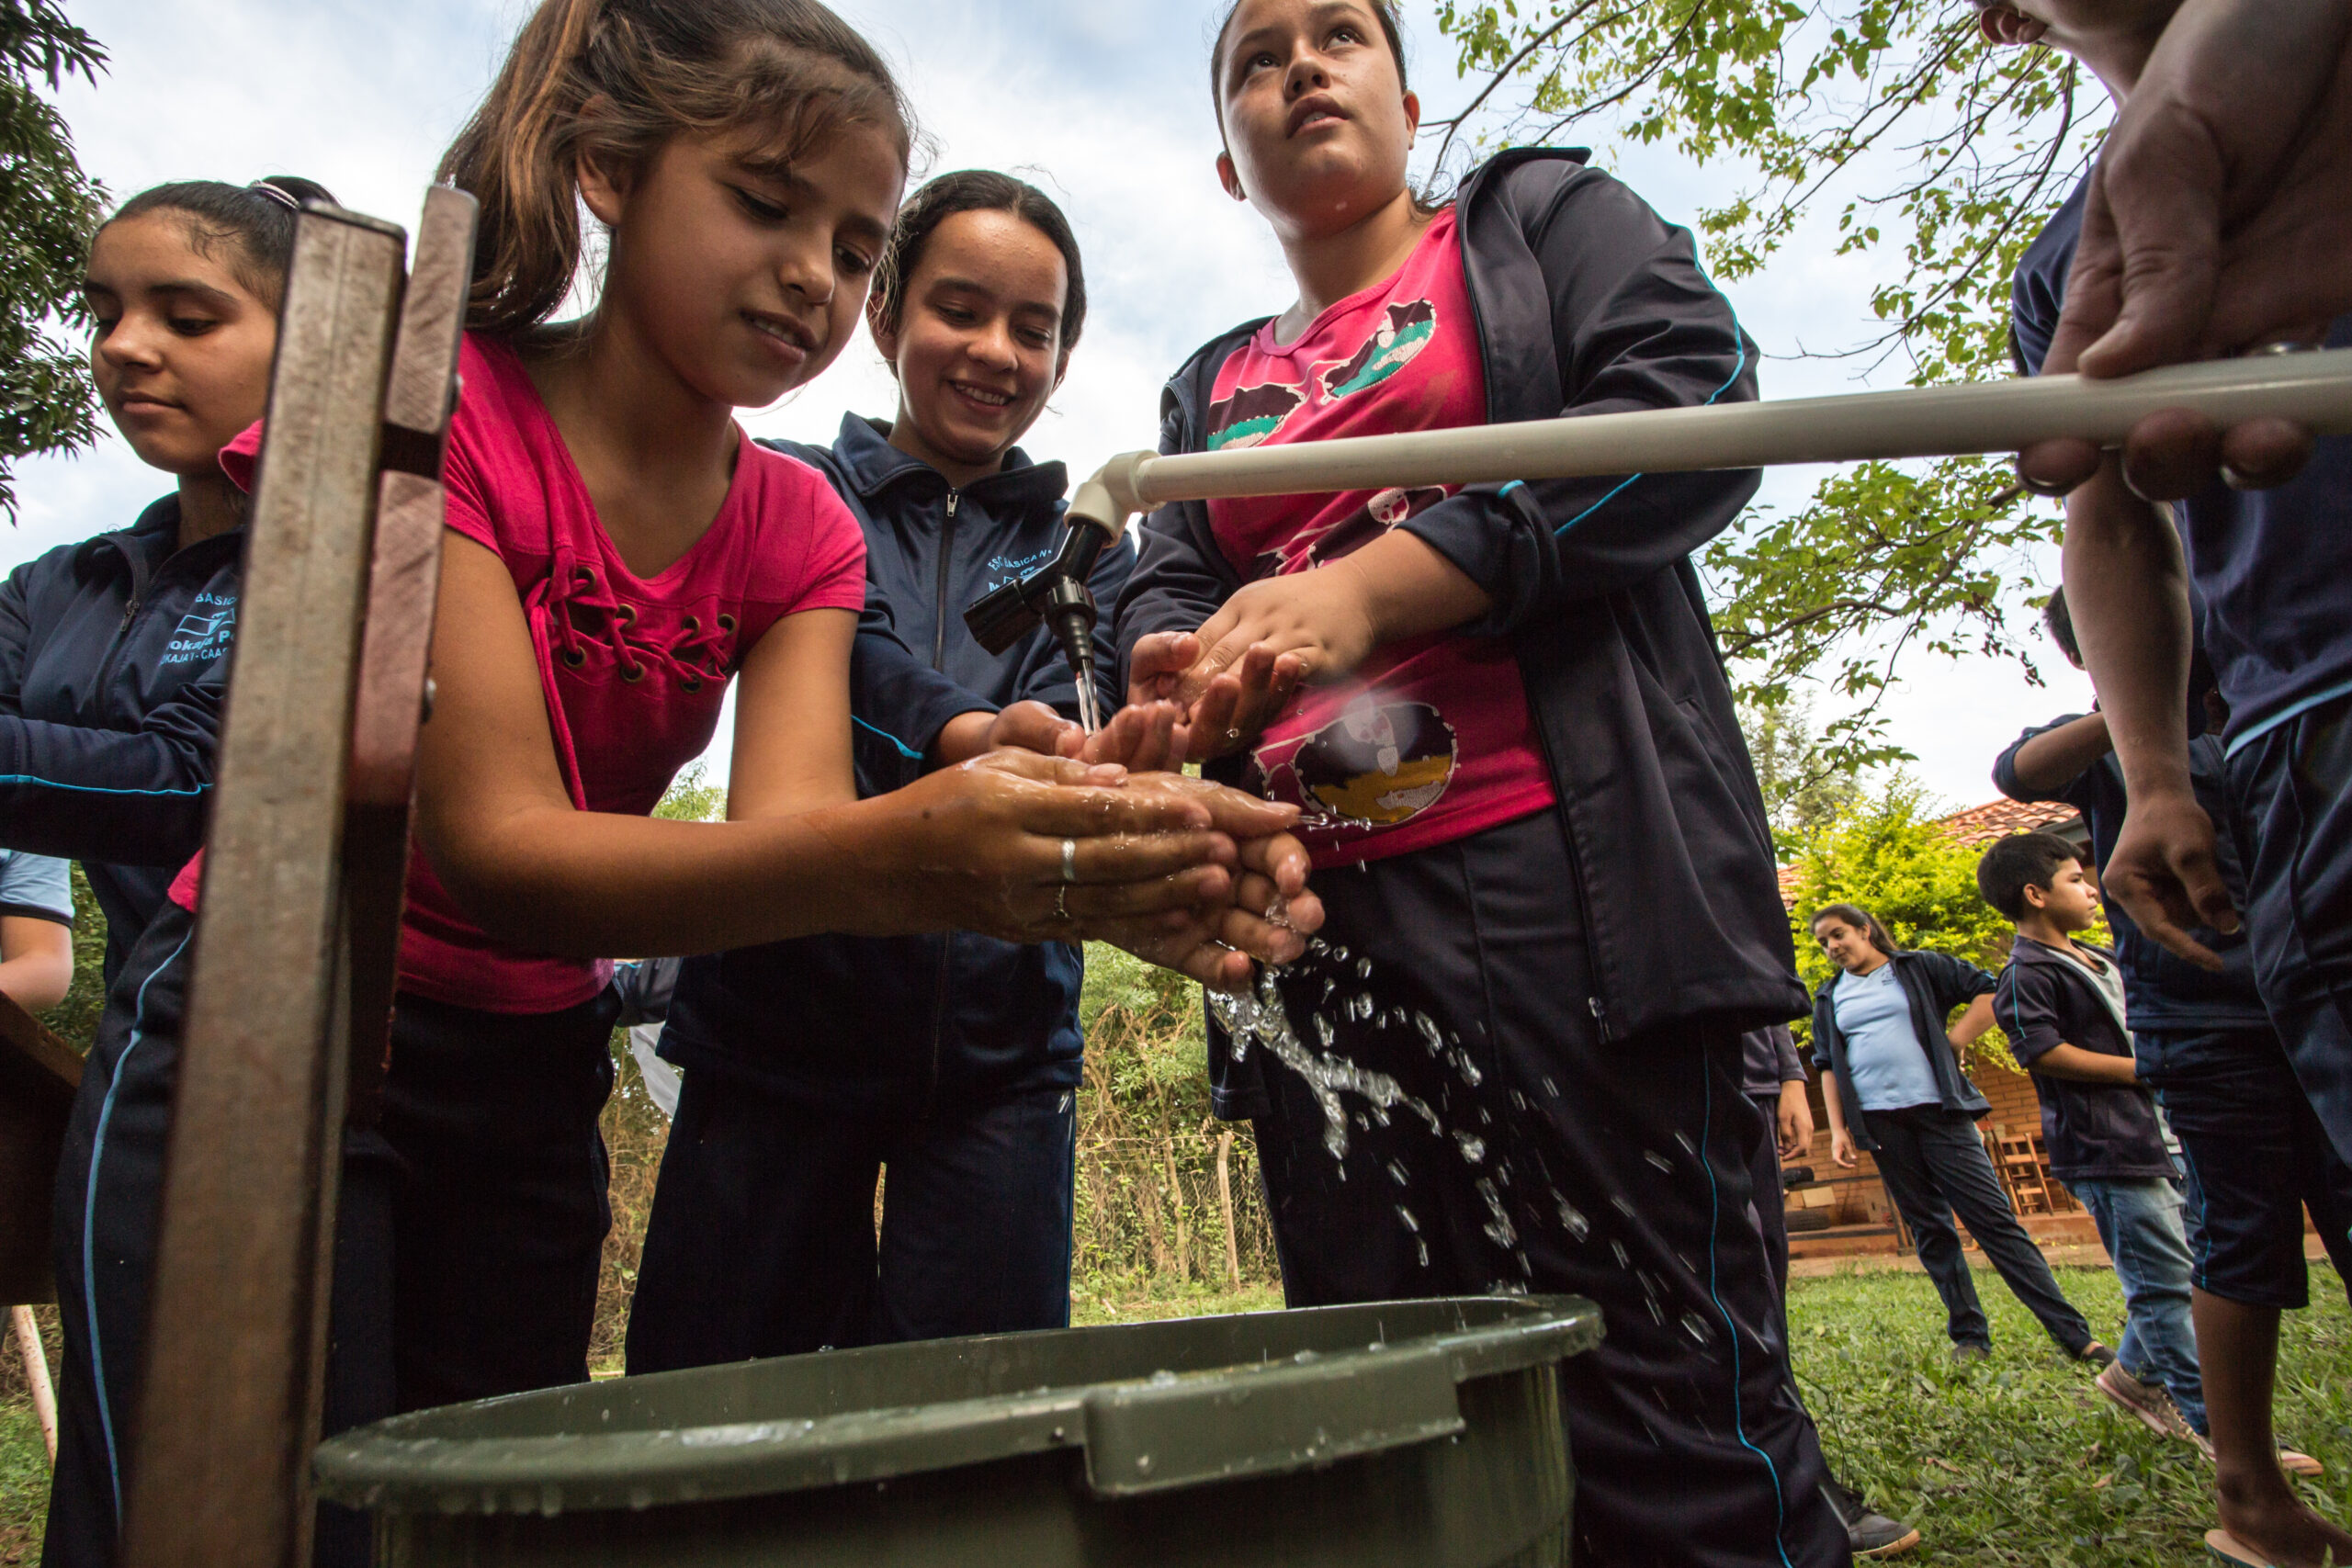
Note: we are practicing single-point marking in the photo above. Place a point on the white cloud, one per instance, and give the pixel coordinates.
(1103, 104)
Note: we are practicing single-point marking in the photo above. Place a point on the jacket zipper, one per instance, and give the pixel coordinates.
(947, 942)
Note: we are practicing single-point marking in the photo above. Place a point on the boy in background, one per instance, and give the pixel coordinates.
(2061, 1003)
(2268, 569)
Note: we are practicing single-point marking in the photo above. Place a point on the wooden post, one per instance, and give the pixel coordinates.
(1224, 1201)
(294, 936)
(36, 1374)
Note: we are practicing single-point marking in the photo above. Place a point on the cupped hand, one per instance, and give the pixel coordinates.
(1143, 737)
(979, 847)
(1268, 922)
(2165, 873)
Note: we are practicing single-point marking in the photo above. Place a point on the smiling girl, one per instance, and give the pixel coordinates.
(1502, 711)
(619, 552)
(952, 1058)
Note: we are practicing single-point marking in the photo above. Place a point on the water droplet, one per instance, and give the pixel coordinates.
(1696, 1329)
(1406, 1215)
(1363, 968)
(1617, 1201)
(1428, 1026)
(1473, 1149)
(1658, 1161)
(1422, 1249)
(1688, 1147)
(1619, 1248)
(1163, 1379)
(1323, 1032)
(1396, 1173)
(1551, 1089)
(1572, 1219)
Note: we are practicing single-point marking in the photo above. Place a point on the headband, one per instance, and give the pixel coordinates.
(284, 198)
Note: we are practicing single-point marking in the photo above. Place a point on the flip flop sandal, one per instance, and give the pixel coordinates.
(2227, 1547)
(2295, 1463)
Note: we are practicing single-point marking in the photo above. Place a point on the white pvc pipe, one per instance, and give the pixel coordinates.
(2314, 390)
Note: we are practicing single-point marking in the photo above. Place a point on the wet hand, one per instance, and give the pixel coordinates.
(1143, 737)
(1033, 726)
(1269, 920)
(2165, 873)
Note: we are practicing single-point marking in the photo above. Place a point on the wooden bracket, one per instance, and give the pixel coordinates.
(291, 991)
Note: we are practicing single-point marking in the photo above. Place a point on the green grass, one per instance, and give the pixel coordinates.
(2012, 1462)
(2020, 1460)
(24, 1479)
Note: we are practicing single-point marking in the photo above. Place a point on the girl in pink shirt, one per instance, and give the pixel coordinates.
(620, 550)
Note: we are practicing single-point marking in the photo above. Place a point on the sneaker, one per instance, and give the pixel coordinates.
(2147, 1401)
(1964, 1354)
(1868, 1534)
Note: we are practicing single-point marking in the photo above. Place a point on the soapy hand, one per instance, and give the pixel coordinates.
(1271, 916)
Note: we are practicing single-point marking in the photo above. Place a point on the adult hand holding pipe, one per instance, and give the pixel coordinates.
(2310, 389)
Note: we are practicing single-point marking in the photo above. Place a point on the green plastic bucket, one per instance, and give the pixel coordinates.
(1421, 1433)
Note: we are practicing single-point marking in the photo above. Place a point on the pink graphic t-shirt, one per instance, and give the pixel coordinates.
(633, 668)
(1430, 740)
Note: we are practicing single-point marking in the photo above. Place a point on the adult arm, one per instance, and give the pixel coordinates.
(2219, 216)
(36, 960)
(1796, 1119)
(2128, 589)
(2045, 764)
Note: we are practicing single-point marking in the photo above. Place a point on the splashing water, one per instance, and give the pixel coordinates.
(1473, 1149)
(1261, 1020)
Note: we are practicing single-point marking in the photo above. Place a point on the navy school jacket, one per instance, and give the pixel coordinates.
(114, 653)
(1586, 302)
(907, 1019)
(1936, 982)
(2166, 992)
(2094, 1131)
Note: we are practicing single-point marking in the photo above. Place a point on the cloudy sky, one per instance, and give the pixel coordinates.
(1104, 102)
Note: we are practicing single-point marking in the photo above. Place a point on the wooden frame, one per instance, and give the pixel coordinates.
(291, 985)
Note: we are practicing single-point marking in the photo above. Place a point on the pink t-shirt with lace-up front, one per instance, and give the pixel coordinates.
(634, 669)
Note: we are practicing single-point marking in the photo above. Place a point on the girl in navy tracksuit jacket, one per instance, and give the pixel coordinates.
(952, 1060)
(1538, 839)
(113, 655)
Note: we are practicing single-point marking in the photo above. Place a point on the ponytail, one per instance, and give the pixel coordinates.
(615, 80)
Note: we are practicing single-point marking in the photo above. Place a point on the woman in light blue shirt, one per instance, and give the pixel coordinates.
(1891, 1086)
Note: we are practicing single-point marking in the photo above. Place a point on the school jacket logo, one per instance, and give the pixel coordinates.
(205, 632)
(1376, 765)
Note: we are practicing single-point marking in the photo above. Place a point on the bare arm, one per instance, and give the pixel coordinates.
(2056, 757)
(36, 960)
(2128, 592)
(1841, 1142)
(1972, 1021)
(2073, 1063)
(976, 847)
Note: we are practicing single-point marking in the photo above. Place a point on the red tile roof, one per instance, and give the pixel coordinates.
(1998, 818)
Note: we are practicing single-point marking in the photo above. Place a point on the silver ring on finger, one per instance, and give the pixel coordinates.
(1069, 861)
(1061, 906)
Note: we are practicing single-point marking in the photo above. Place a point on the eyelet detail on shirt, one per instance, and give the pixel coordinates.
(624, 614)
(573, 658)
(632, 674)
(725, 623)
(691, 623)
(691, 683)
